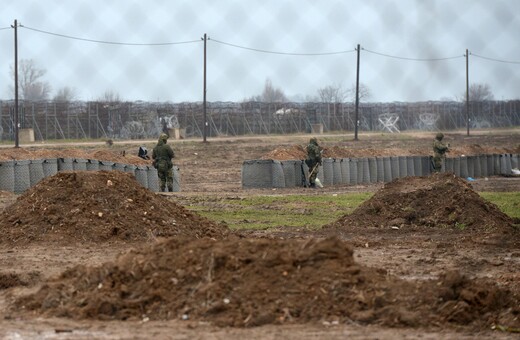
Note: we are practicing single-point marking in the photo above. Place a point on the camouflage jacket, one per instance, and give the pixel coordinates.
(163, 152)
(314, 153)
(439, 149)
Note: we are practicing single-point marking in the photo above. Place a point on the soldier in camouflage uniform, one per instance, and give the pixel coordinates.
(162, 155)
(439, 149)
(313, 160)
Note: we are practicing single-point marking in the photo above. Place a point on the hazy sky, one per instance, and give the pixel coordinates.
(411, 50)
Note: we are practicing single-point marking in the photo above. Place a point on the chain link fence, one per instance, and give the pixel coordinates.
(131, 70)
(130, 120)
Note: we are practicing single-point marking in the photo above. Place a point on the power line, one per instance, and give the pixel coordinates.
(278, 52)
(4, 28)
(110, 42)
(413, 59)
(497, 60)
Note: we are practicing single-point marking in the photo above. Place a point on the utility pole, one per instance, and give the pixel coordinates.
(356, 117)
(16, 136)
(467, 92)
(205, 128)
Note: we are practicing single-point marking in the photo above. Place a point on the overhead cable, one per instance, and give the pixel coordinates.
(278, 52)
(413, 59)
(493, 59)
(110, 42)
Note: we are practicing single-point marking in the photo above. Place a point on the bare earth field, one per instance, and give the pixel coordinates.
(384, 264)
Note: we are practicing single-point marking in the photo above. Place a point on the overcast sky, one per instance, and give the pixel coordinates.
(411, 50)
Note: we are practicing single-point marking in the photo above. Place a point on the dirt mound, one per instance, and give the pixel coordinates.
(8, 280)
(250, 282)
(288, 153)
(299, 152)
(440, 200)
(97, 154)
(338, 151)
(97, 206)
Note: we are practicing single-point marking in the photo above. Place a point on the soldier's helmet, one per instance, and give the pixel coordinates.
(439, 136)
(163, 137)
(313, 140)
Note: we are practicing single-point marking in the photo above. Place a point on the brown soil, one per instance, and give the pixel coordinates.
(450, 268)
(337, 151)
(440, 201)
(244, 283)
(118, 156)
(99, 206)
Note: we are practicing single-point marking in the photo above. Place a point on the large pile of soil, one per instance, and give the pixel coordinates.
(336, 151)
(250, 282)
(104, 154)
(97, 206)
(441, 200)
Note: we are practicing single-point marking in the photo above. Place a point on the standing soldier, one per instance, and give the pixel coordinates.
(162, 157)
(439, 149)
(313, 161)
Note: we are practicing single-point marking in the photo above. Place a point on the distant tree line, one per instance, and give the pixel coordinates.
(33, 87)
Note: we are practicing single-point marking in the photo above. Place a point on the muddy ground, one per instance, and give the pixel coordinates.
(412, 253)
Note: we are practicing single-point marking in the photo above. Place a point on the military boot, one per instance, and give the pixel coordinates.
(163, 188)
(170, 188)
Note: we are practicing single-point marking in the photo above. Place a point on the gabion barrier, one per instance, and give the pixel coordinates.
(403, 167)
(417, 165)
(22, 177)
(380, 170)
(345, 171)
(106, 165)
(130, 168)
(19, 175)
(337, 177)
(7, 176)
(372, 169)
(36, 171)
(92, 165)
(262, 174)
(120, 167)
(50, 167)
(153, 178)
(514, 161)
(65, 164)
(387, 169)
(328, 171)
(80, 164)
(352, 171)
(289, 170)
(176, 179)
(505, 164)
(353, 166)
(141, 175)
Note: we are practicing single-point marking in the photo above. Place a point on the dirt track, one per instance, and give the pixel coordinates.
(214, 169)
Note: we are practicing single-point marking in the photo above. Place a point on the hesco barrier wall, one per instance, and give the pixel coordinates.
(263, 174)
(352, 171)
(19, 175)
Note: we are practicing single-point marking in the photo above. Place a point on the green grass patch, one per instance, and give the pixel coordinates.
(264, 212)
(303, 211)
(508, 202)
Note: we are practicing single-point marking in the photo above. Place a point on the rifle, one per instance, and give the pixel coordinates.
(306, 179)
(317, 180)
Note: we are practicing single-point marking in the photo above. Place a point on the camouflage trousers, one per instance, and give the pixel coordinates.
(166, 179)
(437, 163)
(313, 172)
